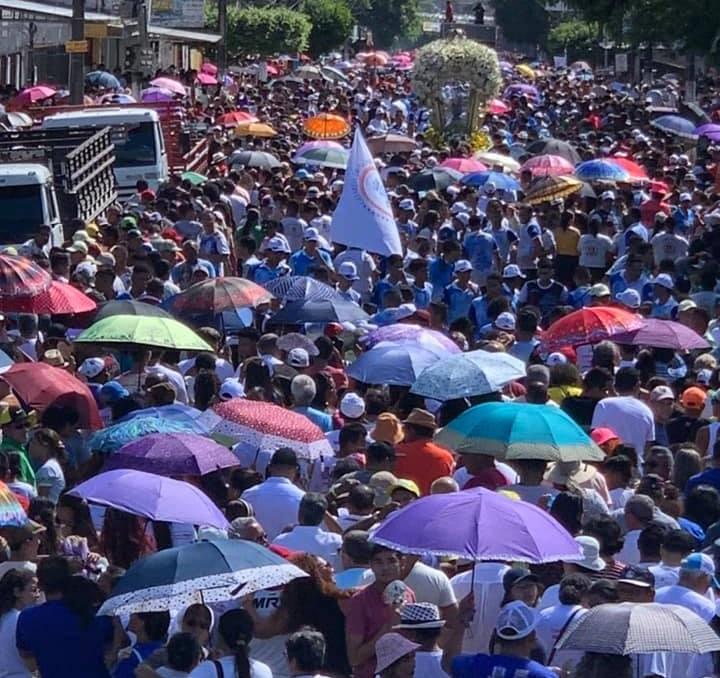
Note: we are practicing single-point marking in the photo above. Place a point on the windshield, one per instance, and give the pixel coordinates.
(21, 213)
(138, 147)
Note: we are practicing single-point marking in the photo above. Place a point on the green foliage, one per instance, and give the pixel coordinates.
(332, 22)
(576, 36)
(389, 20)
(522, 21)
(267, 31)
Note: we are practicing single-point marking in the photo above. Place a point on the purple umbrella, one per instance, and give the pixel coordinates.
(709, 130)
(520, 90)
(154, 95)
(173, 454)
(477, 524)
(658, 333)
(318, 143)
(152, 496)
(411, 333)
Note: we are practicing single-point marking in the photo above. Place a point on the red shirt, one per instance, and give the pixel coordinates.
(423, 462)
(490, 479)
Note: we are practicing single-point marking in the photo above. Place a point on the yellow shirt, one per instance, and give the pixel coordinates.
(567, 241)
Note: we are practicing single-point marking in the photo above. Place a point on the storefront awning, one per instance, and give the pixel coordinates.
(178, 35)
(24, 10)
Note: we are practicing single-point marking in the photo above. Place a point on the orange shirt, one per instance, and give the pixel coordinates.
(423, 462)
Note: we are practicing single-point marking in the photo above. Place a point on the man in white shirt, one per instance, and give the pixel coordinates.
(639, 511)
(697, 573)
(276, 500)
(364, 266)
(308, 536)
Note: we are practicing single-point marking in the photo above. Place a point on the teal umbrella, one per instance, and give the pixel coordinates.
(519, 431)
(336, 158)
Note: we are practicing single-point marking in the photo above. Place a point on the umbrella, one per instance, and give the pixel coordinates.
(145, 331)
(657, 186)
(663, 334)
(20, 277)
(210, 68)
(102, 79)
(548, 166)
(117, 98)
(326, 126)
(11, 513)
(264, 427)
(40, 385)
(291, 340)
(171, 85)
(394, 364)
(58, 299)
(334, 74)
(376, 59)
(600, 170)
(525, 70)
(259, 159)
(521, 90)
(580, 66)
(391, 143)
(153, 95)
(639, 628)
(551, 188)
(300, 288)
(216, 295)
(130, 307)
(519, 431)
(676, 126)
(468, 374)
(235, 118)
(709, 130)
(195, 178)
(555, 147)
(492, 160)
(114, 437)
(477, 524)
(210, 571)
(308, 73)
(206, 79)
(335, 158)
(319, 311)
(255, 129)
(317, 143)
(32, 95)
(635, 171)
(589, 326)
(173, 454)
(188, 418)
(152, 496)
(502, 182)
(438, 178)
(399, 332)
(497, 107)
(464, 165)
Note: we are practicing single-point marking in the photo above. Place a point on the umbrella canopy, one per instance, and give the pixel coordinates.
(548, 166)
(169, 84)
(438, 178)
(153, 95)
(635, 171)
(206, 79)
(130, 307)
(551, 188)
(255, 129)
(189, 418)
(589, 326)
(216, 295)
(204, 572)
(264, 427)
(580, 66)
(144, 331)
(520, 90)
(464, 165)
(299, 288)
(391, 143)
(497, 107)
(709, 130)
(376, 59)
(658, 333)
(600, 170)
(399, 332)
(113, 437)
(102, 79)
(118, 98)
(555, 147)
(493, 160)
(335, 158)
(675, 125)
(173, 454)
(525, 70)
(519, 431)
(291, 340)
(259, 159)
(40, 385)
(317, 143)
(502, 182)
(477, 524)
(11, 513)
(632, 628)
(32, 95)
(59, 299)
(319, 311)
(195, 178)
(394, 364)
(334, 74)
(308, 72)
(235, 118)
(152, 496)
(468, 374)
(20, 277)
(326, 126)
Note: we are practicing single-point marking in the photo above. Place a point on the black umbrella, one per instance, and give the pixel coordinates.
(130, 307)
(319, 311)
(436, 179)
(555, 147)
(259, 159)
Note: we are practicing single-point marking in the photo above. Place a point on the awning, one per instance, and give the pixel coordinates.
(178, 35)
(24, 10)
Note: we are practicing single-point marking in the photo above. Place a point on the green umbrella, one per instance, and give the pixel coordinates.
(143, 330)
(195, 178)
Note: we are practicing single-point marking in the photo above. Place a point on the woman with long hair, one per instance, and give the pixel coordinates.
(207, 386)
(18, 590)
(47, 453)
(42, 511)
(125, 538)
(73, 517)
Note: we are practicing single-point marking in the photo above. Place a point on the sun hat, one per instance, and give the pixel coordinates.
(352, 406)
(563, 472)
(388, 429)
(591, 554)
(421, 418)
(407, 485)
(693, 398)
(420, 616)
(54, 357)
(391, 647)
(603, 435)
(516, 621)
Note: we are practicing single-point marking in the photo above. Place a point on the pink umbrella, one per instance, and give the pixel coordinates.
(272, 70)
(548, 166)
(464, 165)
(318, 143)
(210, 69)
(33, 94)
(497, 107)
(206, 79)
(156, 95)
(169, 84)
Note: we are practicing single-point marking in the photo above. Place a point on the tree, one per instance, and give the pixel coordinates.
(332, 23)
(255, 30)
(387, 19)
(522, 21)
(578, 37)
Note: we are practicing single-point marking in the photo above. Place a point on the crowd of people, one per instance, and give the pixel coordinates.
(481, 265)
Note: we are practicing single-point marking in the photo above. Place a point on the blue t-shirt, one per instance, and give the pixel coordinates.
(480, 247)
(320, 419)
(62, 648)
(301, 262)
(140, 652)
(483, 665)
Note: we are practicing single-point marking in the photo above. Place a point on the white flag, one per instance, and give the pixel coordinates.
(363, 217)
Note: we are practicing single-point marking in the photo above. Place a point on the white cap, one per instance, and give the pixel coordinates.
(515, 621)
(630, 298)
(664, 280)
(407, 205)
(599, 290)
(462, 266)
(298, 357)
(424, 233)
(311, 234)
(276, 244)
(607, 195)
(556, 359)
(505, 321)
(348, 270)
(231, 388)
(490, 187)
(512, 271)
(661, 217)
(91, 367)
(352, 406)
(463, 218)
(685, 196)
(458, 207)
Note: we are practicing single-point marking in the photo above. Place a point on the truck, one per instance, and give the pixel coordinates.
(50, 177)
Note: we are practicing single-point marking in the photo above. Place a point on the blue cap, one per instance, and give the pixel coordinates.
(700, 562)
(112, 391)
(302, 174)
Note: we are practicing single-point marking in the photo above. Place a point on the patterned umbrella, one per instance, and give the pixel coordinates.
(114, 437)
(394, 364)
(59, 299)
(255, 129)
(318, 143)
(20, 277)
(600, 170)
(400, 332)
(259, 159)
(502, 182)
(464, 165)
(216, 295)
(548, 166)
(334, 158)
(204, 572)
(266, 427)
(391, 143)
(169, 84)
(635, 171)
(11, 513)
(235, 118)
(299, 288)
(675, 125)
(520, 90)
(551, 188)
(184, 415)
(589, 326)
(319, 311)
(326, 126)
(493, 160)
(555, 147)
(130, 307)
(663, 334)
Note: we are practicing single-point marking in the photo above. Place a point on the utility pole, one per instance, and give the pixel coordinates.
(77, 60)
(222, 29)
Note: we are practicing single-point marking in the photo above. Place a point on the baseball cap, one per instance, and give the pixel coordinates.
(686, 305)
(693, 397)
(664, 280)
(685, 197)
(352, 406)
(313, 192)
(505, 321)
(704, 377)
(105, 260)
(516, 575)
(603, 435)
(91, 367)
(78, 246)
(661, 393)
(700, 562)
(599, 290)
(298, 357)
(512, 271)
(311, 234)
(12, 415)
(348, 270)
(462, 266)
(516, 621)
(113, 391)
(276, 244)
(607, 195)
(406, 205)
(405, 484)
(231, 388)
(128, 223)
(635, 575)
(556, 358)
(661, 217)
(629, 298)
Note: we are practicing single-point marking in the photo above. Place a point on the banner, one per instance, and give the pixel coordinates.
(363, 217)
(177, 13)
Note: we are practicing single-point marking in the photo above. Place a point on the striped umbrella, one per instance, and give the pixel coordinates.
(600, 170)
(21, 277)
(675, 125)
(548, 165)
(552, 188)
(318, 143)
(326, 126)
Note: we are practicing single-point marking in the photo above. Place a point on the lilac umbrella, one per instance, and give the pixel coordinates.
(414, 334)
(517, 90)
(318, 143)
(658, 333)
(709, 130)
(173, 454)
(152, 496)
(156, 95)
(477, 524)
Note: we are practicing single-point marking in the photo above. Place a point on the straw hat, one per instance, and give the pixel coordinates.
(388, 429)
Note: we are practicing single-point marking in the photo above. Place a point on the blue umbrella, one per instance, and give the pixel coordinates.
(114, 437)
(502, 182)
(394, 364)
(102, 79)
(319, 311)
(299, 288)
(675, 125)
(177, 413)
(204, 572)
(600, 170)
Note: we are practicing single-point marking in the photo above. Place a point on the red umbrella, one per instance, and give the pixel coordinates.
(219, 294)
(59, 299)
(235, 117)
(464, 165)
(637, 172)
(589, 326)
(20, 277)
(40, 385)
(656, 186)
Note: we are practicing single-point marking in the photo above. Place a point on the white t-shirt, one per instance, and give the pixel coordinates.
(269, 651)
(668, 246)
(665, 575)
(51, 475)
(681, 595)
(430, 585)
(209, 670)
(631, 419)
(551, 622)
(429, 665)
(11, 666)
(593, 250)
(630, 553)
